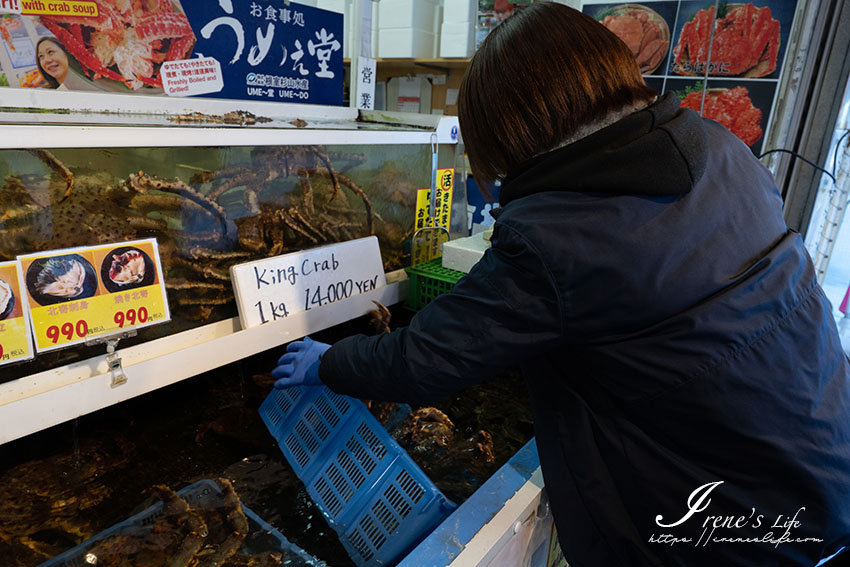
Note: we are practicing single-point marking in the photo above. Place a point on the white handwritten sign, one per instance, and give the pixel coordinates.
(273, 288)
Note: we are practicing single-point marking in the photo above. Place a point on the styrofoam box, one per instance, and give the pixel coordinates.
(457, 39)
(405, 42)
(460, 10)
(462, 253)
(419, 14)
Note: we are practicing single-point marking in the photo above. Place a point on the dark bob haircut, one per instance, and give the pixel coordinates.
(541, 75)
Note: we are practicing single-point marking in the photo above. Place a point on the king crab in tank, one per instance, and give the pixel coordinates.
(50, 505)
(197, 531)
(428, 434)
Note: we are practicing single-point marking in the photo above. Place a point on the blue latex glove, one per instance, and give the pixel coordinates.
(300, 365)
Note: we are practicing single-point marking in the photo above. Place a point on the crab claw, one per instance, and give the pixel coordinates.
(380, 318)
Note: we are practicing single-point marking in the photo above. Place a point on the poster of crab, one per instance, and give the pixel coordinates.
(742, 107)
(290, 53)
(722, 59)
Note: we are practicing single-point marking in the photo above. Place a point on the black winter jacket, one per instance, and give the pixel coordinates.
(678, 351)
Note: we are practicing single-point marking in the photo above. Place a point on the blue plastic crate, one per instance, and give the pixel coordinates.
(261, 537)
(371, 492)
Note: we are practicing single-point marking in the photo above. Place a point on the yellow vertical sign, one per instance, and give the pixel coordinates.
(443, 202)
(15, 327)
(429, 247)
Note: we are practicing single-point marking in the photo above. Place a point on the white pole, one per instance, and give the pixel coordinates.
(834, 214)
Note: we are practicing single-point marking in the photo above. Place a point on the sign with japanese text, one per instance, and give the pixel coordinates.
(77, 294)
(427, 237)
(366, 73)
(443, 202)
(15, 327)
(191, 77)
(274, 288)
(266, 50)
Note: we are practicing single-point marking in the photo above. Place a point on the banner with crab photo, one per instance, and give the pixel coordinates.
(258, 50)
(723, 59)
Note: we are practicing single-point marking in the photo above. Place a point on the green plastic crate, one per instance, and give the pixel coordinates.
(427, 281)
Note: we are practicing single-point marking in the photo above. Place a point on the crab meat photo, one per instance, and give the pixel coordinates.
(746, 42)
(127, 41)
(733, 108)
(645, 33)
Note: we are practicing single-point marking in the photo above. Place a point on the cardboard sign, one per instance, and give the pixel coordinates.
(274, 288)
(15, 327)
(77, 294)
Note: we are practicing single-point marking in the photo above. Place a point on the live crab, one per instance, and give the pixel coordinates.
(198, 241)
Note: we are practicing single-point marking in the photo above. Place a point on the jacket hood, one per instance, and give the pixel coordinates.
(657, 151)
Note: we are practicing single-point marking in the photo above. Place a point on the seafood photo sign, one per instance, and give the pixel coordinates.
(274, 288)
(15, 326)
(77, 294)
(722, 59)
(266, 50)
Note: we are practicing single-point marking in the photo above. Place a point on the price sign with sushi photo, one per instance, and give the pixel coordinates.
(15, 328)
(77, 294)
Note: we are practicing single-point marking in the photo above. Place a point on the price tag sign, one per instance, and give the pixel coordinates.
(77, 294)
(274, 288)
(15, 327)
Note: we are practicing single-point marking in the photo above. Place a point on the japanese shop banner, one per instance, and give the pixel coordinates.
(722, 59)
(77, 294)
(15, 327)
(255, 50)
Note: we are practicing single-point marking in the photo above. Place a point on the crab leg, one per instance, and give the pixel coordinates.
(186, 284)
(293, 224)
(357, 190)
(239, 179)
(184, 301)
(143, 182)
(326, 160)
(180, 48)
(58, 167)
(199, 253)
(206, 271)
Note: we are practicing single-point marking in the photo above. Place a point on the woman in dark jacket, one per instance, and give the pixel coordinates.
(691, 399)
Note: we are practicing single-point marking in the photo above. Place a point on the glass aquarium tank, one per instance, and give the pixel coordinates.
(174, 453)
(208, 208)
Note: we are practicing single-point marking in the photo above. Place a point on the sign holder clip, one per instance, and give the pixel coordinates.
(113, 359)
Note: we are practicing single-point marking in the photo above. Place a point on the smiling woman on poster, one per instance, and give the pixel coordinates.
(54, 65)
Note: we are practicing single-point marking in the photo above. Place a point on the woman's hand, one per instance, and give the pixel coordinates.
(300, 365)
